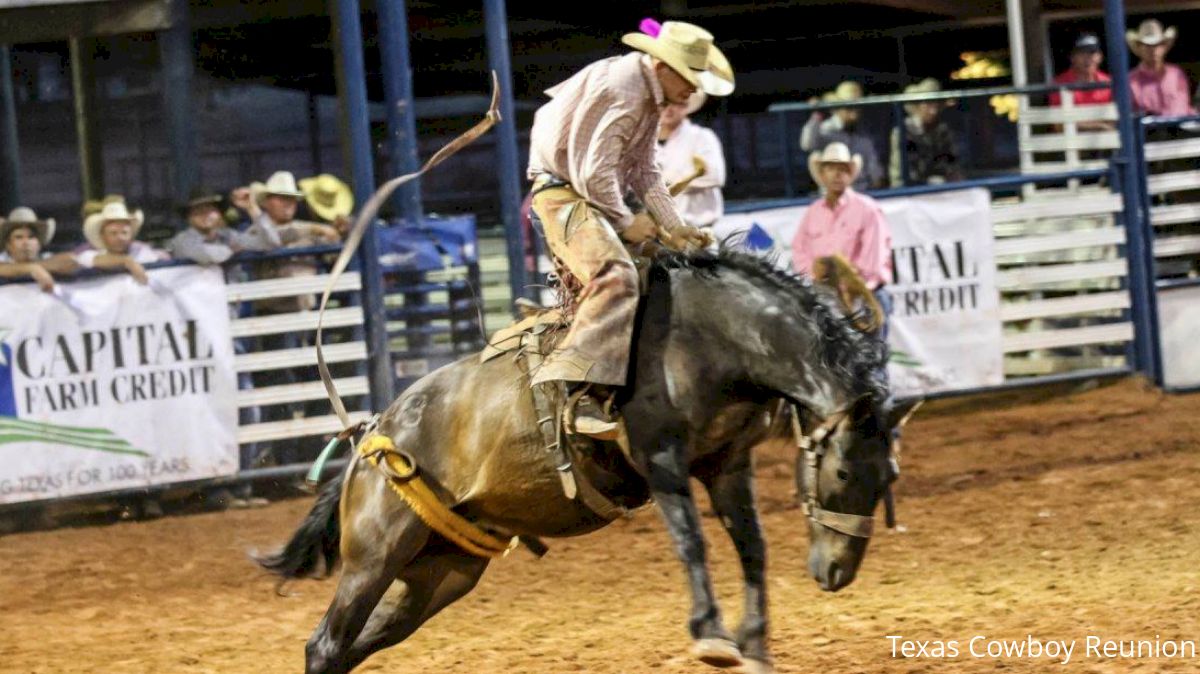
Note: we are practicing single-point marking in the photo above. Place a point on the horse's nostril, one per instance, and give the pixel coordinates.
(834, 576)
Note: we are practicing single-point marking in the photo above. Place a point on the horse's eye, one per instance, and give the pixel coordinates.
(843, 475)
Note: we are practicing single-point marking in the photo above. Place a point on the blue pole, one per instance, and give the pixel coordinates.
(175, 45)
(10, 152)
(356, 153)
(508, 169)
(789, 156)
(398, 97)
(1139, 248)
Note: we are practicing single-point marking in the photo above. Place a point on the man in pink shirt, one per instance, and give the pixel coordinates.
(845, 222)
(594, 140)
(1158, 87)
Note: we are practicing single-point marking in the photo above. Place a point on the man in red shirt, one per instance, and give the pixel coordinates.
(1086, 58)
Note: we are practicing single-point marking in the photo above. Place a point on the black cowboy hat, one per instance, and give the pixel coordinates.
(202, 196)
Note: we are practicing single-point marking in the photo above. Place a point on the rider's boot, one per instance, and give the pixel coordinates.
(591, 414)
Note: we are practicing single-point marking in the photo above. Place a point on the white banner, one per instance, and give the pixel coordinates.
(108, 384)
(1179, 329)
(945, 332)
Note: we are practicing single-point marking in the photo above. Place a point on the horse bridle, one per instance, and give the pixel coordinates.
(813, 448)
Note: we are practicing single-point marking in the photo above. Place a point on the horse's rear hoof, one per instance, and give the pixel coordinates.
(717, 652)
(756, 667)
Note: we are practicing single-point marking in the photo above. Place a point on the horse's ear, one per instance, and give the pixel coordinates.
(902, 412)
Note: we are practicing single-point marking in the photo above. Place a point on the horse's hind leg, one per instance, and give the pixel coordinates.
(377, 541)
(441, 575)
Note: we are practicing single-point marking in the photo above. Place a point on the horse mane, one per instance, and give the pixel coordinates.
(844, 349)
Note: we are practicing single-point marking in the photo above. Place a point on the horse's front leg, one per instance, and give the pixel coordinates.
(732, 496)
(667, 475)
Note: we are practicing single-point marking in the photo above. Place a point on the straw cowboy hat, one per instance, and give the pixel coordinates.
(281, 184)
(847, 91)
(689, 51)
(327, 196)
(928, 85)
(25, 217)
(114, 211)
(834, 153)
(1150, 33)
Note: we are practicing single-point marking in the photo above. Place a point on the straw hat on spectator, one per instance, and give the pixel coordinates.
(25, 217)
(695, 102)
(327, 196)
(114, 211)
(928, 85)
(689, 50)
(846, 91)
(280, 184)
(834, 153)
(1150, 33)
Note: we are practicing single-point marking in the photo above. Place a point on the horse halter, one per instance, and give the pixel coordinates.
(813, 446)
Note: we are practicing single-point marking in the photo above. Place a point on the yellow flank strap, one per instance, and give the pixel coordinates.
(417, 494)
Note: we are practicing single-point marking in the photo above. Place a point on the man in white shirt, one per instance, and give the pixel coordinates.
(680, 142)
(111, 234)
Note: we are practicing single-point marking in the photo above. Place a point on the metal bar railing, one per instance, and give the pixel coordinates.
(889, 99)
(998, 182)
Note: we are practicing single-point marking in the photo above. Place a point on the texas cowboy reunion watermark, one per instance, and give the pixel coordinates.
(1052, 651)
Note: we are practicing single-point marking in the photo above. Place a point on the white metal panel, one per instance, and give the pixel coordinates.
(1027, 245)
(1173, 149)
(1024, 277)
(289, 287)
(1054, 339)
(295, 428)
(1174, 246)
(1025, 366)
(293, 393)
(1176, 214)
(1075, 206)
(1054, 142)
(301, 321)
(301, 357)
(1163, 183)
(1064, 306)
(1060, 166)
(1063, 115)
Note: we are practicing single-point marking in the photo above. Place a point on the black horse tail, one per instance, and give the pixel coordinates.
(317, 539)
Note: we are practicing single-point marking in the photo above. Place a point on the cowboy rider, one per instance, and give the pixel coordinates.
(593, 141)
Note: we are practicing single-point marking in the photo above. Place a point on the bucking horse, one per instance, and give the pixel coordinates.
(727, 351)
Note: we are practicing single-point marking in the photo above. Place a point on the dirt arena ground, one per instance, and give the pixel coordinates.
(1057, 517)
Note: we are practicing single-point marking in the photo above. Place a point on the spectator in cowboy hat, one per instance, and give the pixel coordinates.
(25, 237)
(1158, 87)
(680, 144)
(929, 143)
(274, 204)
(845, 222)
(111, 234)
(842, 127)
(208, 240)
(330, 199)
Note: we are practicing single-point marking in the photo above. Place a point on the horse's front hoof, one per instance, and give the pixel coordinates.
(717, 652)
(756, 667)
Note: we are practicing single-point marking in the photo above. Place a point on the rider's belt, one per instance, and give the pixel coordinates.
(547, 181)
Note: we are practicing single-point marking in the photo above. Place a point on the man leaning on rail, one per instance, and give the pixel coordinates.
(594, 140)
